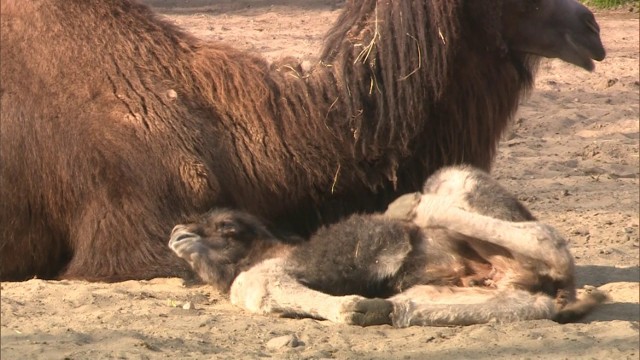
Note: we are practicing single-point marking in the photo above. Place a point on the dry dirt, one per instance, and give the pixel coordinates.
(571, 156)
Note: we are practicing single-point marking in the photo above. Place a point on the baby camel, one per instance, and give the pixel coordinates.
(464, 251)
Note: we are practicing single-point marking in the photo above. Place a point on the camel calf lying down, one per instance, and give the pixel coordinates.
(464, 251)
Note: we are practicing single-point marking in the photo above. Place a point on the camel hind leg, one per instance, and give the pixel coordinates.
(474, 190)
(465, 201)
(467, 188)
(533, 240)
(468, 201)
(428, 305)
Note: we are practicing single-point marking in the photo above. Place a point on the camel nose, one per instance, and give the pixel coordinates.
(596, 50)
(177, 228)
(592, 24)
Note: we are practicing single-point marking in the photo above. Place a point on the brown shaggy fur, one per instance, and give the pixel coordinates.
(117, 125)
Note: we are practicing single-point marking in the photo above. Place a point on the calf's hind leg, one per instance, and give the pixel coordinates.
(428, 305)
(530, 239)
(468, 201)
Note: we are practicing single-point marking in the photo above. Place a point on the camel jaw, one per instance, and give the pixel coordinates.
(575, 50)
(581, 54)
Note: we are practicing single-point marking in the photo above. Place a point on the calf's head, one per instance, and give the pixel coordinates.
(220, 244)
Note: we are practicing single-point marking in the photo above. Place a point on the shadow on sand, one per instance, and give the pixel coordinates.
(621, 280)
(597, 275)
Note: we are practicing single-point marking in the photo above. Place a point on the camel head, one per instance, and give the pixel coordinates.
(563, 29)
(221, 243)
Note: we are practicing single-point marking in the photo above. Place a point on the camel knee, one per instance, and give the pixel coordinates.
(546, 236)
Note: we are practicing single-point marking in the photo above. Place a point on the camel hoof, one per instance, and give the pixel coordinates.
(367, 312)
(404, 207)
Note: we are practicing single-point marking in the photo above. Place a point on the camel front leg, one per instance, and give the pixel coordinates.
(428, 305)
(267, 288)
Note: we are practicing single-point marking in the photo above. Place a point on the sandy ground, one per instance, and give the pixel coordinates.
(571, 156)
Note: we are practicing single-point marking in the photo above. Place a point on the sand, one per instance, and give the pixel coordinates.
(571, 156)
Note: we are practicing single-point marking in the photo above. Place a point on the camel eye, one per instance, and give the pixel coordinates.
(227, 228)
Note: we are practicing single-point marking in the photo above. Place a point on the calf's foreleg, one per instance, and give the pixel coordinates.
(267, 288)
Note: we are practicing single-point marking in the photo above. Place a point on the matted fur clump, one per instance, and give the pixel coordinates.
(117, 125)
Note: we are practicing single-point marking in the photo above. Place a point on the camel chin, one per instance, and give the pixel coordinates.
(579, 53)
